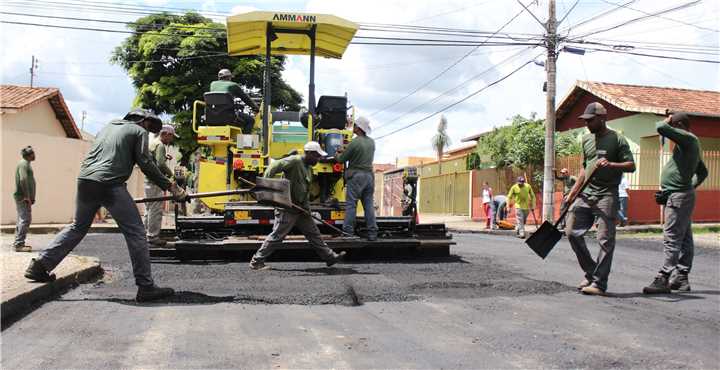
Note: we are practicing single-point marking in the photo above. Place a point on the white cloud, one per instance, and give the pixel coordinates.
(375, 76)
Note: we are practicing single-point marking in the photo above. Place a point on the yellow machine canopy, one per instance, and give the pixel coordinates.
(247, 33)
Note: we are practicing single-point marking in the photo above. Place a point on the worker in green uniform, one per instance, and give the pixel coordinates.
(568, 183)
(298, 170)
(118, 147)
(609, 154)
(24, 198)
(359, 178)
(154, 210)
(679, 178)
(225, 84)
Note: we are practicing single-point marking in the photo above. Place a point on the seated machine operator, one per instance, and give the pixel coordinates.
(225, 84)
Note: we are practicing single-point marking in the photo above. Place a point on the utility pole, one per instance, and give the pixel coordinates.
(33, 67)
(548, 173)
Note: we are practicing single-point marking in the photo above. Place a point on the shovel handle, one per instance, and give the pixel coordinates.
(570, 201)
(192, 196)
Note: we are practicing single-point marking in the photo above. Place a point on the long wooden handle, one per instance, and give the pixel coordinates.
(196, 195)
(305, 211)
(570, 201)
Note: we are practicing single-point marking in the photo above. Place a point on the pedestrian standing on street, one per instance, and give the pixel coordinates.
(154, 210)
(623, 197)
(117, 149)
(360, 178)
(678, 180)
(609, 153)
(568, 183)
(523, 197)
(487, 199)
(297, 169)
(24, 198)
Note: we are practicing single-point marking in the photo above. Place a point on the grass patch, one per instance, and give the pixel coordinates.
(699, 229)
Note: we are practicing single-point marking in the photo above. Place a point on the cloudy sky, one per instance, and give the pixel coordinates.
(76, 61)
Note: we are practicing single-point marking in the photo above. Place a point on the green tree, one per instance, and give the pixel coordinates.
(441, 140)
(172, 59)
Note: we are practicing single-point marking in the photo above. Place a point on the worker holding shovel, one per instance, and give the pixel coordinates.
(298, 170)
(608, 153)
(118, 147)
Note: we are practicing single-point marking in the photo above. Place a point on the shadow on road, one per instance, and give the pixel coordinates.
(670, 297)
(180, 298)
(326, 271)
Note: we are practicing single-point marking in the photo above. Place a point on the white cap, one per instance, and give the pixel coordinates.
(168, 129)
(364, 124)
(313, 146)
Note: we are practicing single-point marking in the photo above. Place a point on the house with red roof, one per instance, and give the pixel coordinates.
(633, 111)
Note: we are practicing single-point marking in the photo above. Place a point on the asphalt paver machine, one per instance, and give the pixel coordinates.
(235, 155)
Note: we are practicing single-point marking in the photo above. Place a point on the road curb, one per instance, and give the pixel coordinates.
(25, 302)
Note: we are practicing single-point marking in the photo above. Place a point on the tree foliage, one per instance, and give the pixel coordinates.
(522, 143)
(172, 59)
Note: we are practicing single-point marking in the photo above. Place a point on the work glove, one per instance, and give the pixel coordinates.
(179, 193)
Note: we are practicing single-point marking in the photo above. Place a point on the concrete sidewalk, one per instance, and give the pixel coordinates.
(19, 294)
(465, 224)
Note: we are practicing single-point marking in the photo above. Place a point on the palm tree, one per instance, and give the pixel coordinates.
(441, 140)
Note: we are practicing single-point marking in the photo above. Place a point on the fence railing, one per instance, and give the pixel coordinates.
(649, 166)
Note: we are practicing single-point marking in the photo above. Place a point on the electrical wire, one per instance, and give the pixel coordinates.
(455, 88)
(457, 102)
(655, 55)
(634, 20)
(445, 70)
(666, 18)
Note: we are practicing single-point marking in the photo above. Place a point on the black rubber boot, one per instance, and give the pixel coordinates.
(37, 272)
(152, 293)
(335, 259)
(680, 282)
(659, 286)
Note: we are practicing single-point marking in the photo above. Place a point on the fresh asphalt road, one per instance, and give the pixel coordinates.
(493, 304)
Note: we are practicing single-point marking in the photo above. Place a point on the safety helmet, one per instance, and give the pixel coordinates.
(314, 146)
(138, 114)
(225, 73)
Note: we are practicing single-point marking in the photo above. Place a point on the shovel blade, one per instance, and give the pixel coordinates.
(544, 239)
(273, 192)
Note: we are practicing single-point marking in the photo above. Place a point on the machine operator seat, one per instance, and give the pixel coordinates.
(220, 109)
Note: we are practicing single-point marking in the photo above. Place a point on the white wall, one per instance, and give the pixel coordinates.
(56, 168)
(38, 118)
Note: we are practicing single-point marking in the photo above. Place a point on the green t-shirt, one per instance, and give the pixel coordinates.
(524, 197)
(613, 147)
(24, 181)
(360, 153)
(116, 149)
(234, 89)
(677, 174)
(159, 155)
(298, 173)
(568, 183)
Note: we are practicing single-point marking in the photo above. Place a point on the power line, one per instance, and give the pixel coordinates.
(655, 55)
(445, 70)
(595, 17)
(409, 41)
(457, 102)
(457, 87)
(649, 15)
(569, 11)
(661, 17)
